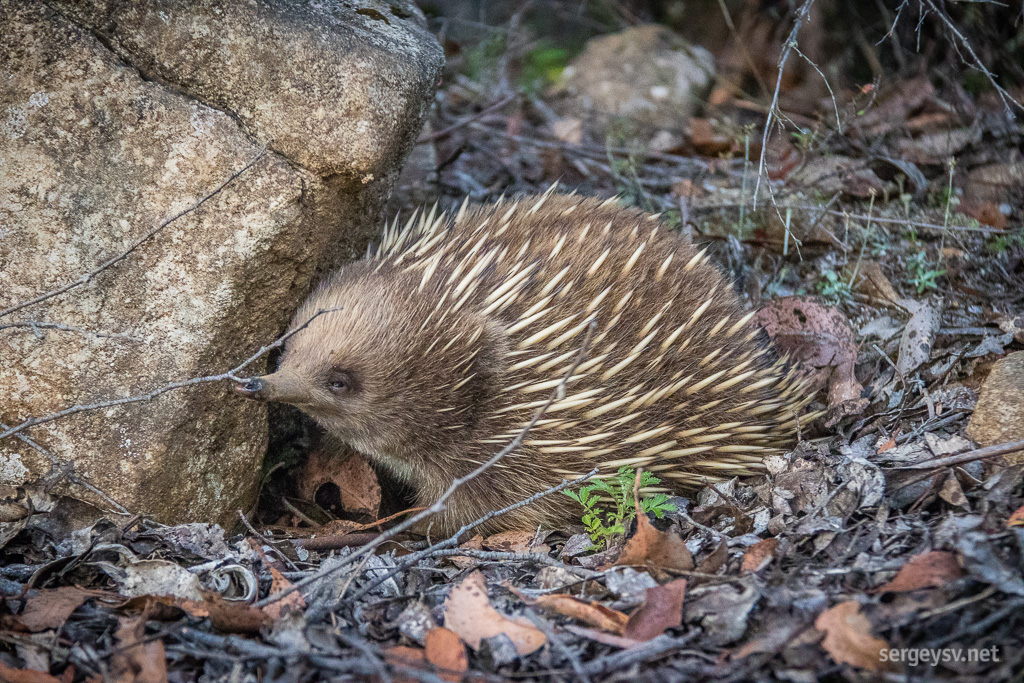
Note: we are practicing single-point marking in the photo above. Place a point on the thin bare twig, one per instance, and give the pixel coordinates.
(969, 456)
(453, 540)
(36, 325)
(445, 132)
(1005, 96)
(149, 396)
(70, 475)
(862, 217)
(774, 107)
(85, 279)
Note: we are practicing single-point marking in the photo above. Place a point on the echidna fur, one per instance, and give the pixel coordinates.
(458, 329)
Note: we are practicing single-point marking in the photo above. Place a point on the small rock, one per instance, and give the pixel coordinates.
(646, 73)
(999, 415)
(415, 622)
(629, 584)
(497, 651)
(576, 545)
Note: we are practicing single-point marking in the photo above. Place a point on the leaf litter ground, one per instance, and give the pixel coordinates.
(888, 543)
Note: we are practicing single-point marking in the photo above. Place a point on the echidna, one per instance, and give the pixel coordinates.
(458, 329)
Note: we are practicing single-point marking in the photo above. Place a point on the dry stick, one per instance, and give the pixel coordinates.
(445, 132)
(969, 456)
(1005, 96)
(773, 108)
(412, 558)
(36, 325)
(874, 219)
(85, 279)
(263, 539)
(71, 476)
(652, 649)
(230, 374)
(558, 644)
(439, 504)
(742, 46)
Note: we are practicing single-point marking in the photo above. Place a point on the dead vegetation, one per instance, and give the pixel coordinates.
(867, 199)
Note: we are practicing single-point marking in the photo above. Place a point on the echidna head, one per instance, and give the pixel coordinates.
(370, 367)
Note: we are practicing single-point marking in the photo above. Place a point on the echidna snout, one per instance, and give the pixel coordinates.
(451, 337)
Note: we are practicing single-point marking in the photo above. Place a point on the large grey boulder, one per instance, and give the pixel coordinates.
(116, 115)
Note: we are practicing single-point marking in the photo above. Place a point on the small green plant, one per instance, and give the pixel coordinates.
(922, 275)
(1000, 244)
(543, 66)
(608, 504)
(481, 61)
(833, 287)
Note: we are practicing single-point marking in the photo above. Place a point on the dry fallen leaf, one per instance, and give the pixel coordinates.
(928, 570)
(11, 675)
(848, 638)
(446, 651)
(1016, 519)
(135, 660)
(662, 609)
(953, 493)
(759, 555)
(817, 336)
(653, 548)
(232, 616)
(293, 602)
(516, 542)
(469, 613)
(50, 608)
(589, 612)
(402, 656)
(866, 277)
(918, 335)
(350, 480)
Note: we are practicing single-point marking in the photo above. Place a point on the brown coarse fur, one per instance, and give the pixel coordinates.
(452, 336)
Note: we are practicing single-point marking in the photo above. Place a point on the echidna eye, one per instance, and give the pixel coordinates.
(340, 381)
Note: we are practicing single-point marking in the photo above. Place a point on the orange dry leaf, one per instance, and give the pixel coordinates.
(11, 675)
(290, 603)
(351, 481)
(928, 570)
(399, 656)
(1017, 518)
(516, 542)
(232, 616)
(589, 612)
(848, 638)
(446, 651)
(654, 548)
(662, 609)
(293, 602)
(759, 555)
(469, 613)
(136, 661)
